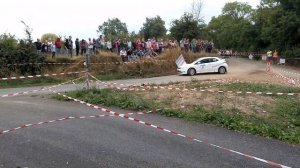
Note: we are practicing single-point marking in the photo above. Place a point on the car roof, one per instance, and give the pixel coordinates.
(205, 58)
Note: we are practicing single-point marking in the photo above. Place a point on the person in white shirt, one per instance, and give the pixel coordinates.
(123, 54)
(90, 46)
(109, 45)
(53, 49)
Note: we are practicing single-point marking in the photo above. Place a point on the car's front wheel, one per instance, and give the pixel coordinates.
(222, 70)
(191, 72)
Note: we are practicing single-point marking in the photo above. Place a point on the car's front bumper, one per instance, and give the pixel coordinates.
(182, 71)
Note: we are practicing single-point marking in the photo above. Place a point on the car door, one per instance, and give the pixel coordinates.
(203, 66)
(213, 65)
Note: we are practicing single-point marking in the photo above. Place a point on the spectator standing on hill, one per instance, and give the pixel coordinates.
(138, 44)
(133, 42)
(109, 46)
(77, 46)
(90, 46)
(123, 54)
(57, 46)
(143, 42)
(116, 46)
(186, 45)
(193, 45)
(181, 43)
(70, 46)
(148, 44)
(67, 46)
(83, 46)
(122, 44)
(269, 60)
(53, 49)
(209, 48)
(102, 42)
(129, 44)
(160, 46)
(98, 43)
(45, 47)
(94, 45)
(275, 57)
(38, 46)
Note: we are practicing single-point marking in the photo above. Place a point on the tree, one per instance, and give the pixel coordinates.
(233, 29)
(113, 28)
(290, 5)
(196, 10)
(185, 27)
(278, 24)
(237, 10)
(153, 27)
(268, 3)
(274, 25)
(28, 32)
(48, 37)
(12, 51)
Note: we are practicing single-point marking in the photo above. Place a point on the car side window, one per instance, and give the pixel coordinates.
(204, 61)
(213, 60)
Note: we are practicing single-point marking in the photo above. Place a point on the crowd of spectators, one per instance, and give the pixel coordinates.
(127, 49)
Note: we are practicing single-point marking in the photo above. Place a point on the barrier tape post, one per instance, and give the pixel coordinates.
(87, 71)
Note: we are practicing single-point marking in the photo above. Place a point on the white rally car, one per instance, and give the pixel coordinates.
(204, 65)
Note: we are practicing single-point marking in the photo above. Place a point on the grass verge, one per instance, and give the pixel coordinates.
(255, 87)
(281, 122)
(109, 97)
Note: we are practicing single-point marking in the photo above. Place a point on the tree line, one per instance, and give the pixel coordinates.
(272, 25)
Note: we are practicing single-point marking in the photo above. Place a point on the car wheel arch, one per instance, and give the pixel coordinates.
(222, 67)
(189, 71)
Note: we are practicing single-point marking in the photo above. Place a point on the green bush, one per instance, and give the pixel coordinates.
(13, 51)
(293, 52)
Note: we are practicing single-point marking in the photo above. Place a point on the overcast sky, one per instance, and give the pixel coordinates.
(82, 18)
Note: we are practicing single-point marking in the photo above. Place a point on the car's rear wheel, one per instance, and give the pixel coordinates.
(191, 72)
(222, 70)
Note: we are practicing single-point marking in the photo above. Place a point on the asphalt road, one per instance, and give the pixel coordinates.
(116, 142)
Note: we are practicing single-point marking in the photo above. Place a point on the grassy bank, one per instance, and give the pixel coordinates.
(275, 117)
(110, 68)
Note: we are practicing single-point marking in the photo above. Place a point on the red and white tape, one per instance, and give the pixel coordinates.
(287, 80)
(37, 76)
(51, 121)
(67, 118)
(124, 63)
(37, 90)
(64, 119)
(22, 93)
(200, 89)
(145, 88)
(44, 63)
(285, 71)
(95, 63)
(271, 163)
(221, 81)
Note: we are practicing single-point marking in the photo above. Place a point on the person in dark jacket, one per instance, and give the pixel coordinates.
(67, 47)
(38, 46)
(77, 46)
(83, 46)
